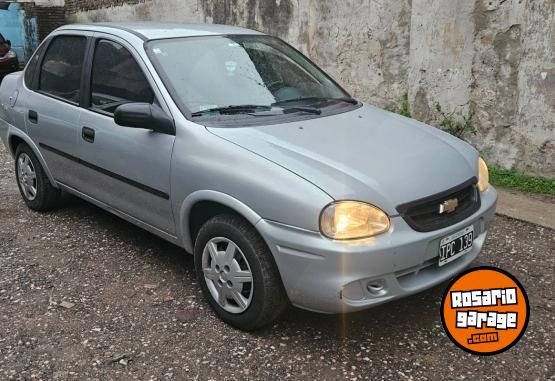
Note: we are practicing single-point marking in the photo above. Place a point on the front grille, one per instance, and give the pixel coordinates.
(424, 215)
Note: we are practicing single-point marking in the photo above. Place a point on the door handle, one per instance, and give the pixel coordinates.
(33, 117)
(87, 134)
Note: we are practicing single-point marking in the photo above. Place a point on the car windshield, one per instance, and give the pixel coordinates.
(218, 75)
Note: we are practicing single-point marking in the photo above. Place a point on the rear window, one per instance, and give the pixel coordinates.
(61, 69)
(32, 67)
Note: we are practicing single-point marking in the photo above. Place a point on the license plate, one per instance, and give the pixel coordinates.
(456, 245)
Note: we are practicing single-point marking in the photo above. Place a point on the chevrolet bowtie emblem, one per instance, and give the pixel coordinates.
(449, 206)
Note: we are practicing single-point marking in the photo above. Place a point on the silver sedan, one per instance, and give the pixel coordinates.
(234, 146)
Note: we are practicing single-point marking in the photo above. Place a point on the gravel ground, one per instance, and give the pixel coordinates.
(84, 295)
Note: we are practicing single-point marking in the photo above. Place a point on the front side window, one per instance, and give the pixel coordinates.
(117, 78)
(61, 70)
(207, 74)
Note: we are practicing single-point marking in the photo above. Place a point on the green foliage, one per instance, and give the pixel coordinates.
(486, 151)
(508, 178)
(403, 108)
(455, 122)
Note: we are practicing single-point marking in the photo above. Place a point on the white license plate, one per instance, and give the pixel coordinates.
(456, 245)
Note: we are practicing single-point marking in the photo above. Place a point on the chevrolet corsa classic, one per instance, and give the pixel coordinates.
(232, 145)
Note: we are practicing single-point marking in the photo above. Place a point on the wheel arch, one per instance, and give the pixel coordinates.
(200, 206)
(17, 137)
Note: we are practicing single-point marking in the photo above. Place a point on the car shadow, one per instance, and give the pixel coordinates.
(393, 319)
(413, 312)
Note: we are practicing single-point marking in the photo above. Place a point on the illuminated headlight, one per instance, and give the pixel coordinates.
(9, 55)
(347, 220)
(483, 176)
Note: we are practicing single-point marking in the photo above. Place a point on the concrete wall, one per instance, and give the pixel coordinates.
(492, 56)
(49, 3)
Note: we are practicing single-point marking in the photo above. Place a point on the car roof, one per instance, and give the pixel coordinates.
(147, 30)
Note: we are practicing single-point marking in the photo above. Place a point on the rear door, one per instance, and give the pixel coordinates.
(52, 104)
(125, 168)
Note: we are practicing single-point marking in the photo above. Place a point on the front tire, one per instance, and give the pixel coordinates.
(237, 273)
(34, 186)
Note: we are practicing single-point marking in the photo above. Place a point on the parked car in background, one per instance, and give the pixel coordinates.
(233, 145)
(8, 58)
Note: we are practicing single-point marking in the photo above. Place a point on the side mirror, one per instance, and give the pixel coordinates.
(9, 43)
(144, 115)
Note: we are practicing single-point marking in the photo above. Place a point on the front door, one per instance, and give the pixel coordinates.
(125, 168)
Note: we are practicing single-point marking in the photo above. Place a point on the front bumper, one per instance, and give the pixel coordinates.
(332, 277)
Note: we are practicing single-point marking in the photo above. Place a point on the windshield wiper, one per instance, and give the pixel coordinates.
(352, 101)
(316, 100)
(288, 110)
(234, 109)
(254, 109)
(311, 110)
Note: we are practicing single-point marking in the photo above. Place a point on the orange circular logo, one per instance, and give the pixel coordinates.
(485, 311)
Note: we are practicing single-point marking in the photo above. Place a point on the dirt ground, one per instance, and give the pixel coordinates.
(87, 296)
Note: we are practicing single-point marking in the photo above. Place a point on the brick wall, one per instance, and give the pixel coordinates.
(73, 6)
(48, 19)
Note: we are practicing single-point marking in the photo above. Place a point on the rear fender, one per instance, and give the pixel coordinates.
(9, 91)
(14, 133)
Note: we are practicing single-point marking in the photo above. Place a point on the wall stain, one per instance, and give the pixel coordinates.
(421, 105)
(274, 16)
(508, 47)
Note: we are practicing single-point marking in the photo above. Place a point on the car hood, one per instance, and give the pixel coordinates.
(367, 154)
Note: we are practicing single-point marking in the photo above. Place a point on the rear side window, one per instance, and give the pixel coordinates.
(60, 74)
(117, 78)
(32, 67)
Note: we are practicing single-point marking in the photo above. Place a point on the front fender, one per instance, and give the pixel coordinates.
(214, 196)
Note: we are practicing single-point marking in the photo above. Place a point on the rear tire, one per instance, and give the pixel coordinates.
(34, 186)
(237, 273)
